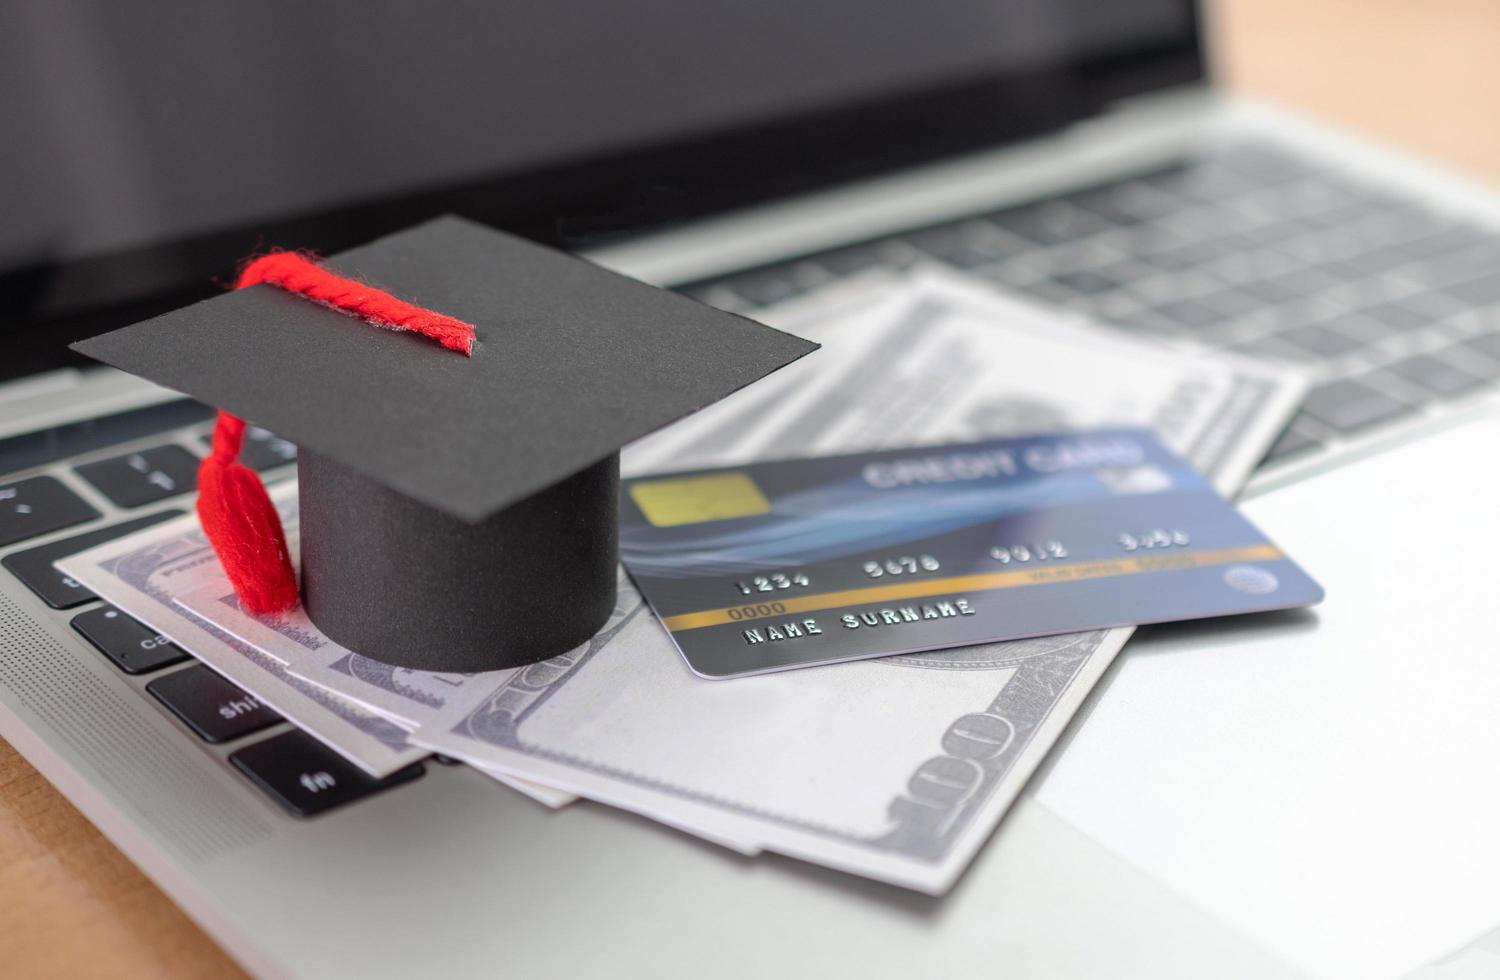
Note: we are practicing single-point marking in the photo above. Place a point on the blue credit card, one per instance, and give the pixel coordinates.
(794, 563)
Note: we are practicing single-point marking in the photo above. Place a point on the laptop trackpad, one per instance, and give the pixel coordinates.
(1328, 782)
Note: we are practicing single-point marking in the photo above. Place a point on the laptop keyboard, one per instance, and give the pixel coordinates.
(1392, 307)
(291, 768)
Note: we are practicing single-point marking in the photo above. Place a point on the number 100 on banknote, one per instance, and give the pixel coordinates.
(797, 563)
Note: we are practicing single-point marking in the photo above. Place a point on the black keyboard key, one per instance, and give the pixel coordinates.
(767, 287)
(1433, 305)
(1085, 281)
(217, 710)
(1204, 251)
(1436, 376)
(954, 245)
(708, 295)
(1433, 238)
(1218, 221)
(1457, 267)
(1366, 330)
(1269, 347)
(1124, 273)
(1396, 316)
(1487, 344)
(1169, 260)
(1144, 321)
(134, 648)
(1379, 261)
(262, 448)
(1190, 313)
(34, 566)
(1267, 165)
(1351, 405)
(144, 477)
(852, 260)
(1277, 232)
(1342, 271)
(1345, 215)
(1233, 303)
(1299, 281)
(1048, 291)
(1123, 204)
(1049, 223)
(306, 777)
(1270, 290)
(1410, 224)
(1476, 292)
(1163, 253)
(38, 505)
(1201, 181)
(1292, 443)
(1169, 178)
(1321, 339)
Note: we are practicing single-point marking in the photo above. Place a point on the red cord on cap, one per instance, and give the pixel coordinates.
(296, 273)
(236, 512)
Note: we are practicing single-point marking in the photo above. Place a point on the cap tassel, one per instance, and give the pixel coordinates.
(242, 525)
(236, 512)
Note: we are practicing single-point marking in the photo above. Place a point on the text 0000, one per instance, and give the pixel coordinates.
(757, 611)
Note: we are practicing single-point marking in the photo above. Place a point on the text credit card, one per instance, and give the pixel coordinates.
(794, 563)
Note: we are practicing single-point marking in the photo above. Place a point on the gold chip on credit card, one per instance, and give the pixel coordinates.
(695, 499)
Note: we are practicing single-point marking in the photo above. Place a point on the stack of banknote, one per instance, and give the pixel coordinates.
(898, 768)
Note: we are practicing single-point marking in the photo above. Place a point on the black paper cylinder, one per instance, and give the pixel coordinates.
(392, 579)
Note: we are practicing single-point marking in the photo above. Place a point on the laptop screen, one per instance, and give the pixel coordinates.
(150, 147)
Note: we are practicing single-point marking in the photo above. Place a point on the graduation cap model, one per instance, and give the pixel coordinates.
(458, 513)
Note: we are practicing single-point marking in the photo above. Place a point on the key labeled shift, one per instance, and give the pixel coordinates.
(214, 708)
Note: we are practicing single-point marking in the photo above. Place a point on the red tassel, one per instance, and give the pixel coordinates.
(242, 525)
(236, 512)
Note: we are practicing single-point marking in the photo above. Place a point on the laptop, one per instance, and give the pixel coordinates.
(1302, 798)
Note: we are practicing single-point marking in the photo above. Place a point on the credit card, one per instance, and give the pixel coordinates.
(796, 563)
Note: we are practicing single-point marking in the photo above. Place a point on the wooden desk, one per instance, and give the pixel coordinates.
(71, 905)
(1422, 75)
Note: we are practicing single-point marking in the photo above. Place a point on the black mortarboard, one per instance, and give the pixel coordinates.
(457, 513)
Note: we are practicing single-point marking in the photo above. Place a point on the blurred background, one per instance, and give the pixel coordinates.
(131, 127)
